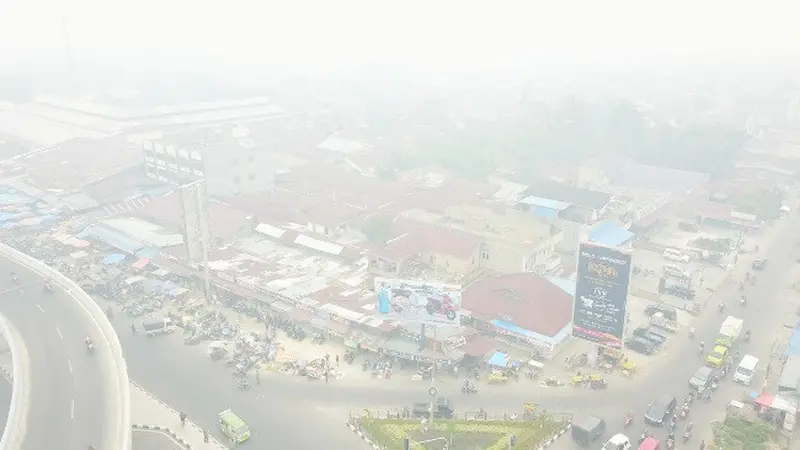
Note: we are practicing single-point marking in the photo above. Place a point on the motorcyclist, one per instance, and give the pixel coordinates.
(691, 332)
(747, 335)
(743, 300)
(702, 346)
(721, 307)
(88, 341)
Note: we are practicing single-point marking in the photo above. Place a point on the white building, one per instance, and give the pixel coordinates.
(228, 160)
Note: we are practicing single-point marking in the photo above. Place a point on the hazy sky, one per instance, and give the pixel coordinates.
(435, 33)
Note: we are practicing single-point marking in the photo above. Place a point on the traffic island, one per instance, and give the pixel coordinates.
(390, 433)
(735, 433)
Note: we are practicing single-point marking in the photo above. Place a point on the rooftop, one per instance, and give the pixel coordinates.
(527, 300)
(225, 222)
(409, 238)
(564, 193)
(71, 165)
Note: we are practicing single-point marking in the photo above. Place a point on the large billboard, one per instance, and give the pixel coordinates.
(601, 295)
(418, 301)
(194, 210)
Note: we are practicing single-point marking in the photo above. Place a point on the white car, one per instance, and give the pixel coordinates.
(675, 255)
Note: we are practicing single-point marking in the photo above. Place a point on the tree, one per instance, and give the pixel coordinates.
(378, 229)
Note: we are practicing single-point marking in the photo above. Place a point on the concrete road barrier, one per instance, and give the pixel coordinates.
(116, 372)
(16, 422)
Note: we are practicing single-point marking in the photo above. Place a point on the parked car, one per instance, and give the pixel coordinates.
(651, 335)
(642, 346)
(676, 255)
(760, 264)
(670, 313)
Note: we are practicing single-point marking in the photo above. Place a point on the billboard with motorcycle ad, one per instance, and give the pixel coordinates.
(418, 301)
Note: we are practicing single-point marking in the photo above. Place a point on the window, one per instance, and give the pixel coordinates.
(251, 177)
(484, 255)
(237, 180)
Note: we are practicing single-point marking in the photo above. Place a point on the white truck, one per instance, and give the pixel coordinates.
(729, 332)
(156, 327)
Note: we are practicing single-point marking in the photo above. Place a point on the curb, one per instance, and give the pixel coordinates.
(550, 441)
(170, 433)
(555, 437)
(212, 440)
(363, 436)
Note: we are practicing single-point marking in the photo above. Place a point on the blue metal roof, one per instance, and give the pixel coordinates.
(112, 238)
(610, 234)
(546, 203)
(793, 348)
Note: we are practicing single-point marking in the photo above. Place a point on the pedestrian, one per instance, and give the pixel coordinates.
(337, 360)
(133, 329)
(205, 436)
(183, 419)
(258, 378)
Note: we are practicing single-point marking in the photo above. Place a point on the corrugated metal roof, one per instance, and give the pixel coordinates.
(545, 203)
(610, 234)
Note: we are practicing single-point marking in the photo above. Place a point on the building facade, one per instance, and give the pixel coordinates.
(230, 163)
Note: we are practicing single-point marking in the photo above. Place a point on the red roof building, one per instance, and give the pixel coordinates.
(526, 300)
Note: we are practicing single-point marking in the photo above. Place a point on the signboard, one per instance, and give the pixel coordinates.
(418, 301)
(195, 221)
(601, 295)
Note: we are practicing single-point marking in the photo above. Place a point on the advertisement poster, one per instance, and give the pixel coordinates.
(418, 301)
(601, 295)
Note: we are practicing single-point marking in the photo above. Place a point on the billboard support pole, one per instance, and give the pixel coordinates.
(433, 391)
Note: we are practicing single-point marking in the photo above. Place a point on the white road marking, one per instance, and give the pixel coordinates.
(59, 333)
(69, 362)
(72, 409)
(40, 308)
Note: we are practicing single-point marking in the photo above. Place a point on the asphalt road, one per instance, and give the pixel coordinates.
(66, 406)
(5, 402)
(283, 408)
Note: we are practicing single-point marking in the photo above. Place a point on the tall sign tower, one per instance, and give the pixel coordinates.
(196, 232)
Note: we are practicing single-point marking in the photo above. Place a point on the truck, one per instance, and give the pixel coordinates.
(729, 332)
(156, 327)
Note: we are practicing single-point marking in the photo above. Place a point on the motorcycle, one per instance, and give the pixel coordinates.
(721, 307)
(670, 444)
(90, 347)
(469, 389)
(684, 412)
(242, 384)
(743, 301)
(687, 435)
(15, 279)
(48, 288)
(628, 421)
(747, 336)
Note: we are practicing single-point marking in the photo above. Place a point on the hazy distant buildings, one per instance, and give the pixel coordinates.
(229, 161)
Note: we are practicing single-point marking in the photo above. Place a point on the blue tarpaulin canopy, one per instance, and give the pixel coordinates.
(511, 328)
(114, 258)
(794, 342)
(112, 238)
(610, 234)
(499, 359)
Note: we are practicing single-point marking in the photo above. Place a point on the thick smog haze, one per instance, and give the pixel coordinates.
(319, 37)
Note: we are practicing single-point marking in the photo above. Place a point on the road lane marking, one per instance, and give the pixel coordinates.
(72, 409)
(59, 333)
(69, 362)
(40, 308)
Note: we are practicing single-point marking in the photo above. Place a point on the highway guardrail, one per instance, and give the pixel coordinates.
(16, 422)
(120, 436)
